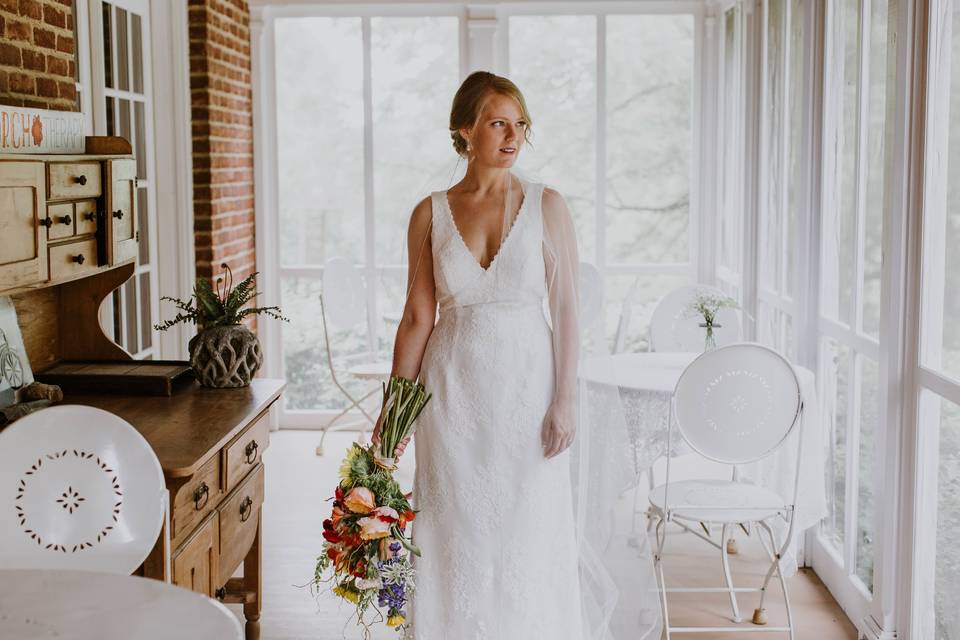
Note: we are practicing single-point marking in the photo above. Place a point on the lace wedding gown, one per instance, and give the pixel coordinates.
(496, 520)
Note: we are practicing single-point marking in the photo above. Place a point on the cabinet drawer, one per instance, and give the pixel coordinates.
(196, 499)
(67, 260)
(239, 522)
(73, 180)
(244, 452)
(196, 565)
(85, 216)
(59, 221)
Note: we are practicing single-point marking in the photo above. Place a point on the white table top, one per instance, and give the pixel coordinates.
(650, 370)
(84, 605)
(372, 370)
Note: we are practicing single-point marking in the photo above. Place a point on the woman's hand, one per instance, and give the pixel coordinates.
(375, 440)
(559, 428)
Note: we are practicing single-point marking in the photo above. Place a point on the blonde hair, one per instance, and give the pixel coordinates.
(469, 101)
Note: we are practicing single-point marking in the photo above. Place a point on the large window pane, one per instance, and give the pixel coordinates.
(415, 73)
(553, 61)
(866, 495)
(881, 61)
(649, 103)
(771, 214)
(319, 79)
(836, 381)
(731, 220)
(947, 582)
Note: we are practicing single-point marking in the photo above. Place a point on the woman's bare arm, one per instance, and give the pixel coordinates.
(420, 309)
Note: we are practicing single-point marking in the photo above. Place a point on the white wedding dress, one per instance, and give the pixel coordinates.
(496, 519)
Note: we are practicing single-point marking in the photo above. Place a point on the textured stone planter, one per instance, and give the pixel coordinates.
(225, 357)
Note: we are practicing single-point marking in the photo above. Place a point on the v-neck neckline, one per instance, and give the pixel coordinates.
(503, 243)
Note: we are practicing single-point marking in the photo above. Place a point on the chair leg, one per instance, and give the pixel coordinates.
(651, 522)
(661, 580)
(726, 572)
(330, 426)
(783, 582)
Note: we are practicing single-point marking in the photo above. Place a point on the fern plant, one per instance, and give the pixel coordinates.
(219, 305)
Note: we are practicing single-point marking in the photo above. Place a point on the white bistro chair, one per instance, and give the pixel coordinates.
(343, 306)
(673, 329)
(735, 404)
(82, 490)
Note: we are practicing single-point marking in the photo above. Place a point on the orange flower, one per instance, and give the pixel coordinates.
(360, 500)
(373, 528)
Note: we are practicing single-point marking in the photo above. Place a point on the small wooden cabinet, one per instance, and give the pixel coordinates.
(65, 217)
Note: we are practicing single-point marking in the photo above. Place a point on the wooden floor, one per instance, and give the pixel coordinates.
(298, 482)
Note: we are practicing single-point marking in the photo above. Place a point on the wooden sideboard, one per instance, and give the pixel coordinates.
(68, 238)
(210, 443)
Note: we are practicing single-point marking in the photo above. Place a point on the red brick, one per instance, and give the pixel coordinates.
(17, 30)
(56, 17)
(58, 66)
(31, 9)
(65, 44)
(34, 60)
(67, 90)
(9, 55)
(44, 38)
(22, 83)
(47, 88)
(10, 5)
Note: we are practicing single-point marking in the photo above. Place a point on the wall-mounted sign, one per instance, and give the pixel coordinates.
(24, 130)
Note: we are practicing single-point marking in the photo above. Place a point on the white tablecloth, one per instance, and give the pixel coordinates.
(625, 406)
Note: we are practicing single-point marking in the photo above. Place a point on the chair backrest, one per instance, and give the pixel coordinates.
(672, 328)
(81, 489)
(737, 404)
(344, 297)
(591, 295)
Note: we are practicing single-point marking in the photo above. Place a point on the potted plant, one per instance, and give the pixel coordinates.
(225, 353)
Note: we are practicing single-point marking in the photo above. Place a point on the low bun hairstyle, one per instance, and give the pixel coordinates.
(470, 98)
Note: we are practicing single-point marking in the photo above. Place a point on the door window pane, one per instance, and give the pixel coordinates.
(649, 117)
(870, 400)
(319, 76)
(413, 60)
(553, 60)
(836, 380)
(947, 582)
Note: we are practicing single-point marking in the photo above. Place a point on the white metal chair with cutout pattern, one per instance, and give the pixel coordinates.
(734, 405)
(82, 490)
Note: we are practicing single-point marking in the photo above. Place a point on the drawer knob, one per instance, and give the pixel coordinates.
(246, 508)
(78, 258)
(220, 593)
(90, 215)
(47, 222)
(81, 179)
(118, 214)
(200, 496)
(66, 220)
(251, 452)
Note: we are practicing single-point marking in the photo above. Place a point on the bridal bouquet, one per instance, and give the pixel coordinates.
(365, 543)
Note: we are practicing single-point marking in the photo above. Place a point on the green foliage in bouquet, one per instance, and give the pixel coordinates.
(224, 305)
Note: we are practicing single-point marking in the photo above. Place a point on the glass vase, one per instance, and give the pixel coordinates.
(709, 342)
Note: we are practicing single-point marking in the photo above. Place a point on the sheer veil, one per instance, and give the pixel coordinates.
(619, 598)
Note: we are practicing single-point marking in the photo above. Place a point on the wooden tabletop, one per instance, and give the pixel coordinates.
(189, 427)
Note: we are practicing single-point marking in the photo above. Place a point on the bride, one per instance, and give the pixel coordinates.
(492, 484)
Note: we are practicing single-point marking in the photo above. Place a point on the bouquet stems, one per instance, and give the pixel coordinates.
(403, 400)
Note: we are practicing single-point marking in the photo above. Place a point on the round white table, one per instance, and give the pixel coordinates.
(84, 605)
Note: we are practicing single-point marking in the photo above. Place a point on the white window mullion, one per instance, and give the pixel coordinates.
(600, 162)
(861, 163)
(369, 208)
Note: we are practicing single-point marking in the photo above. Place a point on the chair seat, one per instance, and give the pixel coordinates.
(700, 501)
(379, 370)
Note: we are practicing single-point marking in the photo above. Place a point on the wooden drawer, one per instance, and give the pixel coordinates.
(73, 258)
(196, 499)
(85, 216)
(196, 565)
(68, 180)
(23, 241)
(239, 519)
(59, 221)
(244, 452)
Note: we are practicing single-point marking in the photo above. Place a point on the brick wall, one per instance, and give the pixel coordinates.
(222, 102)
(37, 54)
